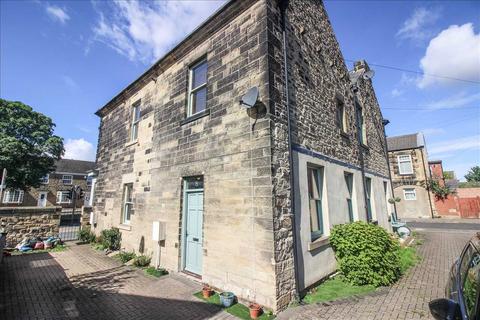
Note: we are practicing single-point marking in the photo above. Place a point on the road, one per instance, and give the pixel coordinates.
(445, 225)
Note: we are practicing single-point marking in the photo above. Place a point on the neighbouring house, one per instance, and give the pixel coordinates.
(410, 173)
(55, 187)
(205, 184)
(463, 202)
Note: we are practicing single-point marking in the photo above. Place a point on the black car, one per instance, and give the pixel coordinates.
(463, 288)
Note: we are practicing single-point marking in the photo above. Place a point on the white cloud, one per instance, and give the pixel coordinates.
(396, 92)
(57, 13)
(70, 83)
(416, 26)
(456, 101)
(144, 31)
(79, 149)
(466, 143)
(433, 131)
(453, 53)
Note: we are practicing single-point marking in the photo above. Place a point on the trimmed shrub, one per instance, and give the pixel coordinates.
(111, 238)
(366, 253)
(85, 235)
(125, 256)
(141, 261)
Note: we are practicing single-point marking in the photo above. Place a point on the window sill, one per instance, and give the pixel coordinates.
(344, 135)
(131, 143)
(364, 146)
(125, 227)
(318, 243)
(196, 116)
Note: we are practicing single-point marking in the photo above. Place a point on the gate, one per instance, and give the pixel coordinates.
(69, 226)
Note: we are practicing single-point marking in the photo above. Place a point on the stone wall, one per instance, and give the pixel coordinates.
(29, 222)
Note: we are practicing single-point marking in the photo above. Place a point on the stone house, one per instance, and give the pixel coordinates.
(55, 187)
(410, 172)
(216, 179)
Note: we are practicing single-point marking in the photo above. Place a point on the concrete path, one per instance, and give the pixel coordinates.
(81, 283)
(408, 298)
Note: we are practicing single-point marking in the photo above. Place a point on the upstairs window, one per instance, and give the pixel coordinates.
(13, 196)
(340, 120)
(409, 194)
(67, 179)
(197, 88)
(405, 164)
(135, 121)
(127, 208)
(44, 179)
(315, 194)
(362, 133)
(64, 197)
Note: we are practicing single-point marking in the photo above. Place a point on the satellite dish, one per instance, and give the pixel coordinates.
(368, 75)
(250, 98)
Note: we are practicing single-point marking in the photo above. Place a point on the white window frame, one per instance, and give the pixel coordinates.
(17, 196)
(65, 179)
(61, 195)
(45, 181)
(127, 206)
(318, 200)
(192, 91)
(405, 161)
(410, 191)
(340, 106)
(135, 121)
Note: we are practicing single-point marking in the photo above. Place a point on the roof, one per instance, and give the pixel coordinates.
(74, 166)
(408, 141)
(220, 17)
(435, 161)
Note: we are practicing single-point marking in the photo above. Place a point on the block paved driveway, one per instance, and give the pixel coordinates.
(408, 298)
(81, 283)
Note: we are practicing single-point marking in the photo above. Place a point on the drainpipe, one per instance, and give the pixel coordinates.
(426, 183)
(283, 5)
(385, 122)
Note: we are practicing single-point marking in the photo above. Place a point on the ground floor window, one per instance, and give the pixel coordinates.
(368, 189)
(63, 197)
(315, 192)
(409, 194)
(13, 196)
(127, 208)
(349, 184)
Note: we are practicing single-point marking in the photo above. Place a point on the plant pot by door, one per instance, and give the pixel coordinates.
(255, 310)
(227, 299)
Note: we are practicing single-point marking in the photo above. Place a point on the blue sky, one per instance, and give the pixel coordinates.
(68, 58)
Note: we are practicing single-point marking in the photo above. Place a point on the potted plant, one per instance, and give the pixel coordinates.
(227, 299)
(207, 291)
(255, 310)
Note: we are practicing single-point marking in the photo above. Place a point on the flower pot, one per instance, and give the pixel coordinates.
(207, 292)
(227, 299)
(255, 310)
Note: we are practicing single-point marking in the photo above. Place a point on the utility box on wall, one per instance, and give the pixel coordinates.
(158, 232)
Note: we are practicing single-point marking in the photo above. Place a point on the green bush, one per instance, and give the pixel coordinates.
(366, 253)
(111, 238)
(125, 256)
(85, 235)
(154, 272)
(141, 261)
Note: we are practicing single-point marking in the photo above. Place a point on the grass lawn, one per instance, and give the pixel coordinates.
(334, 289)
(408, 258)
(154, 272)
(58, 248)
(238, 310)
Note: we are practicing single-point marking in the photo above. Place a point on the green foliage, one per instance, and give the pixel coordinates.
(448, 175)
(111, 238)
(125, 256)
(98, 246)
(87, 236)
(366, 253)
(141, 261)
(408, 258)
(473, 175)
(238, 310)
(471, 184)
(154, 272)
(440, 192)
(334, 289)
(28, 147)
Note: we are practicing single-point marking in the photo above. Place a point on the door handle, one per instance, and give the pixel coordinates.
(195, 239)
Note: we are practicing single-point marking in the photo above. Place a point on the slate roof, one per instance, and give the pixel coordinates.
(408, 141)
(74, 166)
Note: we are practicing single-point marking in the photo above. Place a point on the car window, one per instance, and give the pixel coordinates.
(470, 277)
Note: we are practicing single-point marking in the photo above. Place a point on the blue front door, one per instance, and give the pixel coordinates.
(193, 232)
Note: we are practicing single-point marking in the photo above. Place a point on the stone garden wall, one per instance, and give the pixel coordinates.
(29, 221)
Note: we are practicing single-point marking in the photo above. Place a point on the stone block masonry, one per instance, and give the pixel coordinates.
(29, 222)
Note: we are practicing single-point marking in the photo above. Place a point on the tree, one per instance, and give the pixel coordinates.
(28, 147)
(473, 175)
